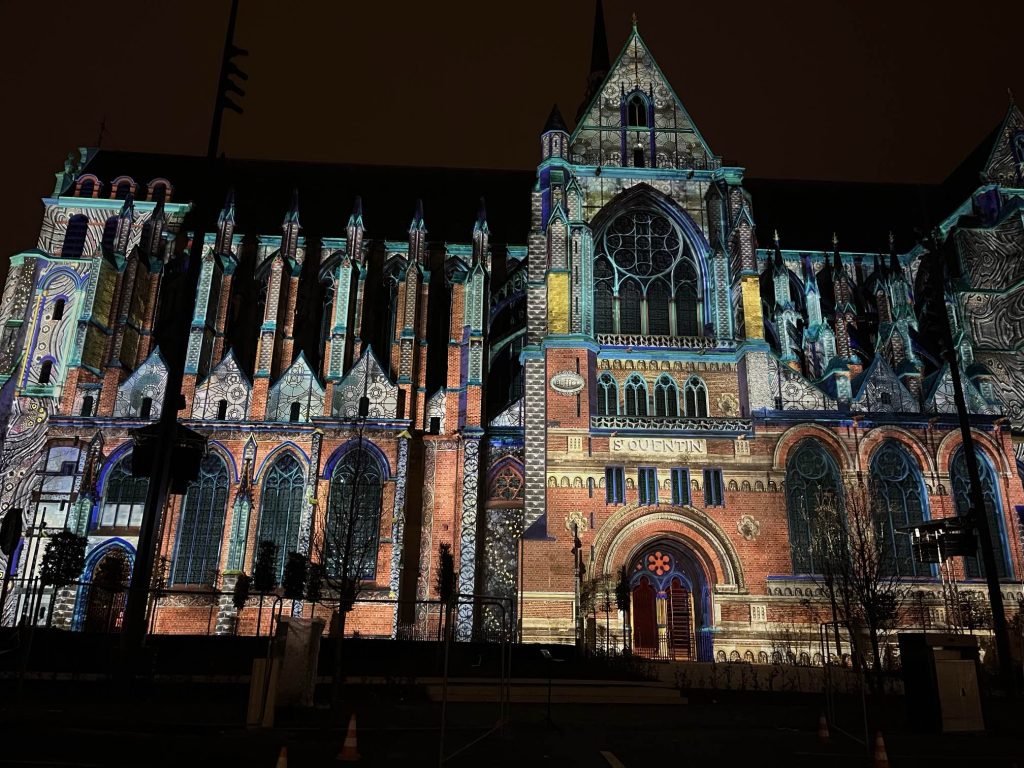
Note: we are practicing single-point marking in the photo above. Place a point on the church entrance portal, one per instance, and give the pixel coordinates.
(669, 604)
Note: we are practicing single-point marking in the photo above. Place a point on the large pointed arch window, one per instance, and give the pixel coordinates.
(644, 259)
(959, 479)
(666, 397)
(900, 500)
(607, 396)
(352, 533)
(124, 496)
(695, 394)
(201, 527)
(281, 507)
(812, 484)
(636, 396)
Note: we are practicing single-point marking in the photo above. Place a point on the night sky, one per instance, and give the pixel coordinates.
(869, 91)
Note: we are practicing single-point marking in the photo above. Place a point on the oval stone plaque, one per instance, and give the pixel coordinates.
(567, 382)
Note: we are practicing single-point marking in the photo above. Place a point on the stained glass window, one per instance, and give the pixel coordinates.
(636, 396)
(900, 500)
(607, 396)
(666, 397)
(507, 484)
(353, 515)
(197, 552)
(959, 479)
(604, 301)
(629, 308)
(280, 507)
(658, 300)
(124, 497)
(812, 480)
(643, 257)
(696, 397)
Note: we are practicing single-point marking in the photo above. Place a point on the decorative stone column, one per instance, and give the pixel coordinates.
(467, 540)
(661, 611)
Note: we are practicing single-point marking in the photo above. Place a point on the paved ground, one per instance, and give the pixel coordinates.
(96, 724)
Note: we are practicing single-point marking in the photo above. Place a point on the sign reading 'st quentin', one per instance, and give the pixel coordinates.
(567, 382)
(666, 446)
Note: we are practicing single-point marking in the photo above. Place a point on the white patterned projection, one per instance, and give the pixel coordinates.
(224, 394)
(366, 376)
(145, 384)
(297, 395)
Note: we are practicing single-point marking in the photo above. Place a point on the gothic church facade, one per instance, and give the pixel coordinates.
(632, 374)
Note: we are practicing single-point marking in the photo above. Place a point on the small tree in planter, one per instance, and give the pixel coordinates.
(264, 575)
(62, 564)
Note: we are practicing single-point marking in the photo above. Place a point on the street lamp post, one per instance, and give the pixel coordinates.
(937, 249)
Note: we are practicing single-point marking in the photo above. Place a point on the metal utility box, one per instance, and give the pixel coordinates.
(940, 673)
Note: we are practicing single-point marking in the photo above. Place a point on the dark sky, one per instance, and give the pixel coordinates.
(868, 90)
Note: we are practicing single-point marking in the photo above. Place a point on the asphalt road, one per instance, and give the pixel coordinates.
(93, 726)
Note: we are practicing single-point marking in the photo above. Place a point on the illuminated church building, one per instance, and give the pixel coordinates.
(616, 345)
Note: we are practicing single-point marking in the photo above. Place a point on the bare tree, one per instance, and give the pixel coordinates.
(347, 544)
(856, 569)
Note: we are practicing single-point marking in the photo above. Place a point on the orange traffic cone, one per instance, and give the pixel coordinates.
(822, 729)
(881, 758)
(349, 752)
(282, 759)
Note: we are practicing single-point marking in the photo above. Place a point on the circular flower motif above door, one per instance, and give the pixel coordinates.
(659, 563)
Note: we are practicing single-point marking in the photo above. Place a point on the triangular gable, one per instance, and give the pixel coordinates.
(939, 396)
(147, 381)
(299, 385)
(510, 417)
(367, 376)
(795, 392)
(1007, 150)
(879, 390)
(636, 70)
(227, 382)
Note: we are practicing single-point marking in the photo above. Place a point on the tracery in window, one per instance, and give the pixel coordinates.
(281, 507)
(644, 261)
(353, 515)
(197, 551)
(696, 397)
(607, 396)
(666, 397)
(636, 396)
(900, 501)
(959, 479)
(812, 481)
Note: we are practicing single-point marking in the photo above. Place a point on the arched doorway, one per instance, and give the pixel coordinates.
(670, 604)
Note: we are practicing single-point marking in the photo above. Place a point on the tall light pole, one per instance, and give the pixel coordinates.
(937, 250)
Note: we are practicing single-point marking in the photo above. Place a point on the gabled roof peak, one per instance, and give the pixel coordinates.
(555, 121)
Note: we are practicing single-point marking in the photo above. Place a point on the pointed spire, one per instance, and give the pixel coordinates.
(778, 252)
(129, 205)
(356, 217)
(894, 262)
(417, 217)
(837, 261)
(555, 121)
(481, 216)
(227, 214)
(878, 269)
(292, 217)
(600, 62)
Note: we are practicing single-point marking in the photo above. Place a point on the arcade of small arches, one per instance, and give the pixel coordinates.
(640, 399)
